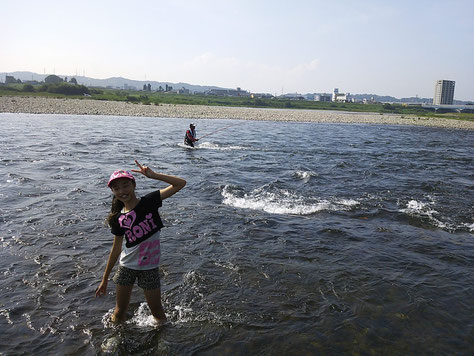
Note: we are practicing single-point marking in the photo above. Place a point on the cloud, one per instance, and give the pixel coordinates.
(304, 68)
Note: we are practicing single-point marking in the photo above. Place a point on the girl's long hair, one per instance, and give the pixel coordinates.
(115, 209)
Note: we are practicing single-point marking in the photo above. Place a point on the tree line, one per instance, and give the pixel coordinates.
(51, 84)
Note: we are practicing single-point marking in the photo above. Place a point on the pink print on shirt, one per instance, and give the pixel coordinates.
(126, 221)
(149, 253)
(141, 229)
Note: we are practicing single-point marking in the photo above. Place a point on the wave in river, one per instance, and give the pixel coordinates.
(305, 175)
(282, 201)
(213, 146)
(426, 211)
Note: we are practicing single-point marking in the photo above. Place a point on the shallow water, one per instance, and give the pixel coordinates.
(289, 238)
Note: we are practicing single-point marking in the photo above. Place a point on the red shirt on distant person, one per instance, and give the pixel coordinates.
(190, 137)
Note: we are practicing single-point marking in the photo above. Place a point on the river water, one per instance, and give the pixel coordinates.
(289, 238)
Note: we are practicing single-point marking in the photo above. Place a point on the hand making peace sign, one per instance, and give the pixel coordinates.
(145, 170)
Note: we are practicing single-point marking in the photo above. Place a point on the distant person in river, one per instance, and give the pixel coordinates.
(137, 221)
(190, 136)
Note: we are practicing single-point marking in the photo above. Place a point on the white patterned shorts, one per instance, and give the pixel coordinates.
(148, 279)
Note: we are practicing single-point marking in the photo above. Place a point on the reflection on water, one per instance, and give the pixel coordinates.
(289, 238)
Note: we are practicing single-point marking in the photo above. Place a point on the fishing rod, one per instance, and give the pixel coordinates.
(222, 128)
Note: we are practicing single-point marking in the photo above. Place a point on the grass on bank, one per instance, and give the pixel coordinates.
(64, 90)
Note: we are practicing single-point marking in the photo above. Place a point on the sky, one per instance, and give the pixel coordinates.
(398, 48)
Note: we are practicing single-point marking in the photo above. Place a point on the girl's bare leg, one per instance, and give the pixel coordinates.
(153, 298)
(123, 299)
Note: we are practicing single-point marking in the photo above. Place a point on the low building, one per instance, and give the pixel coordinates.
(129, 87)
(217, 92)
(238, 92)
(261, 95)
(292, 96)
(323, 97)
(228, 92)
(9, 79)
(340, 97)
(183, 90)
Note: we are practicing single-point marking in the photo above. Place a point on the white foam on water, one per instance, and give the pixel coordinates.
(5, 313)
(107, 319)
(211, 146)
(469, 226)
(184, 314)
(214, 146)
(143, 317)
(227, 265)
(416, 207)
(305, 175)
(284, 202)
(425, 209)
(182, 145)
(111, 344)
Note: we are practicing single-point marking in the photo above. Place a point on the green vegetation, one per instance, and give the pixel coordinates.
(63, 89)
(53, 79)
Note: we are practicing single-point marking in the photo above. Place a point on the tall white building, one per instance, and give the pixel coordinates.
(444, 92)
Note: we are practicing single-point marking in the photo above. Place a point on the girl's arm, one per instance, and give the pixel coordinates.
(113, 257)
(175, 183)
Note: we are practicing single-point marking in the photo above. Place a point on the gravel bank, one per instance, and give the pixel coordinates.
(36, 105)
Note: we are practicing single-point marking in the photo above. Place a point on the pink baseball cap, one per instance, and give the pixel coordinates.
(120, 174)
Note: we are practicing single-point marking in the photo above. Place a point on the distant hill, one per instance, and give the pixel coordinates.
(121, 83)
(115, 82)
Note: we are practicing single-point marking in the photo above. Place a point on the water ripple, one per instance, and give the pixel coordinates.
(350, 243)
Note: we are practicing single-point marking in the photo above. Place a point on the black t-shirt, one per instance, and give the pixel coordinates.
(140, 223)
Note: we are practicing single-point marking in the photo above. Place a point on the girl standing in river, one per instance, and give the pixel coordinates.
(138, 221)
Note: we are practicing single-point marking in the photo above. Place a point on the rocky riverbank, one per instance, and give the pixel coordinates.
(37, 105)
